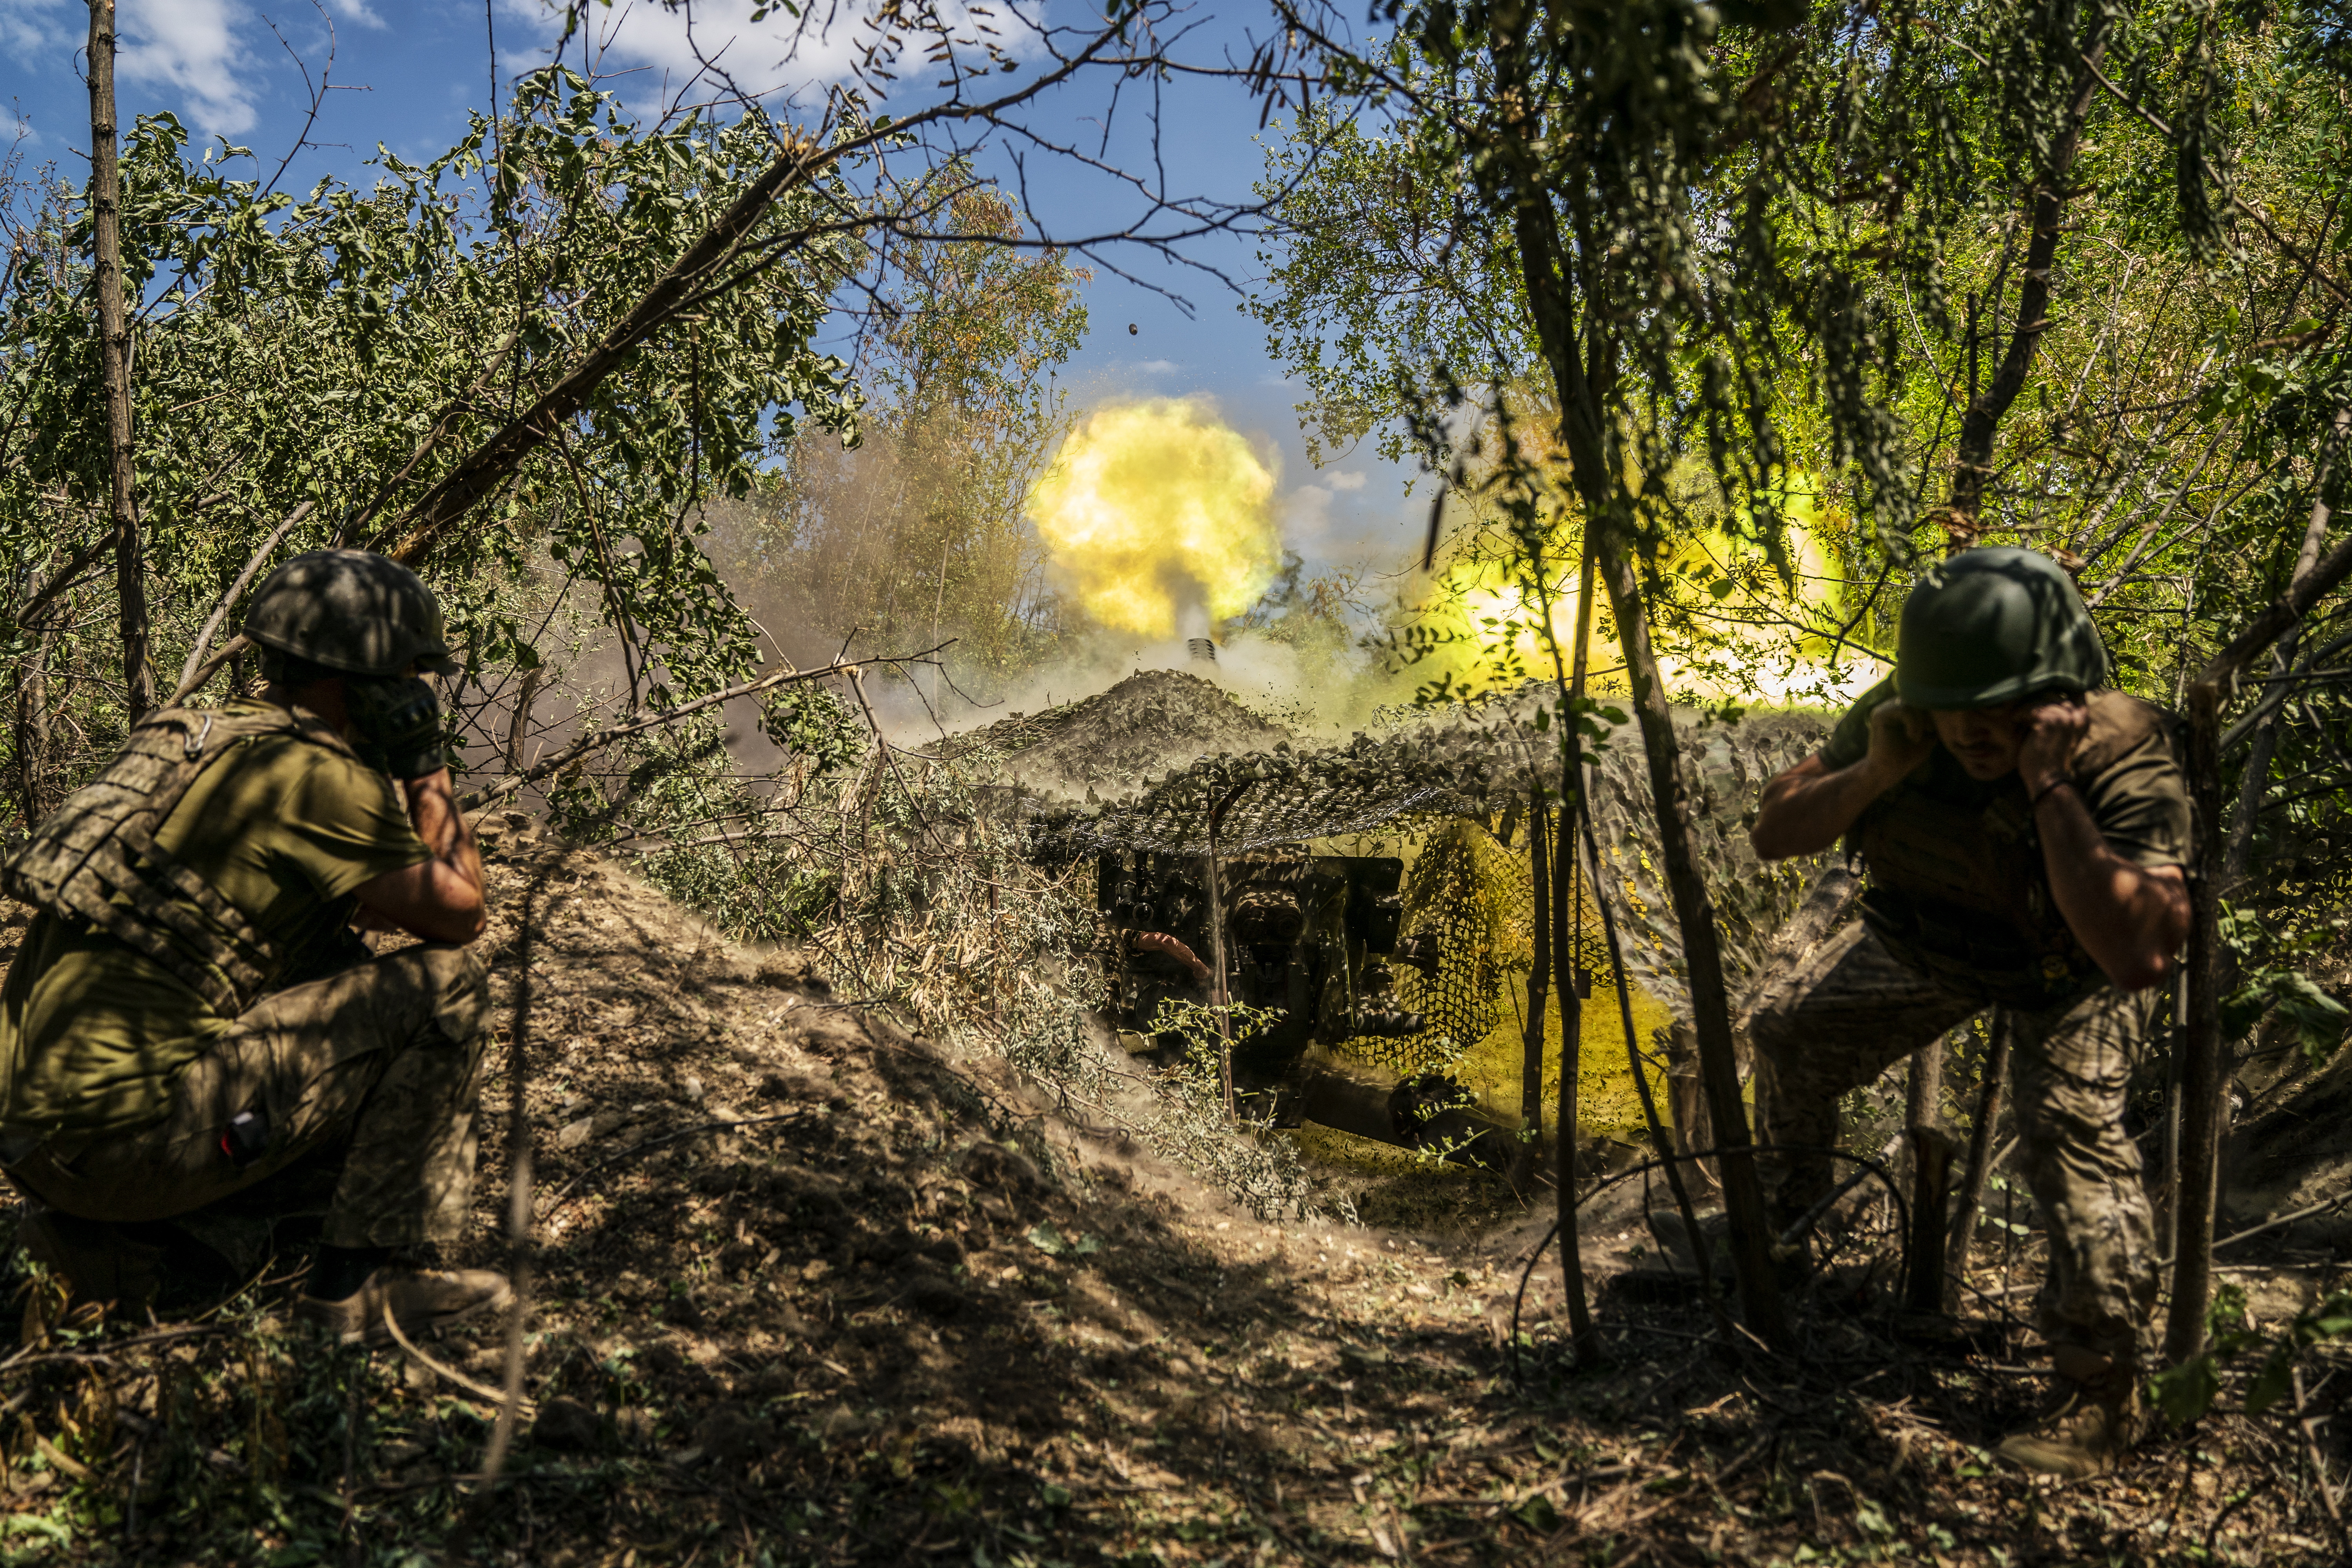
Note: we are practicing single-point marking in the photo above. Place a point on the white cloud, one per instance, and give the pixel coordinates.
(1346, 481)
(27, 25)
(777, 54)
(190, 44)
(1157, 366)
(359, 13)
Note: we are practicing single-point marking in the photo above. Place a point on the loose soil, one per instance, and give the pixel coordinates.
(806, 1290)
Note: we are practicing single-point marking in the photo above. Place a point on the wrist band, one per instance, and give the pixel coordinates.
(2061, 781)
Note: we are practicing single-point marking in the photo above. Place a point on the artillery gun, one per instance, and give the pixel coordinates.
(1383, 972)
(1309, 938)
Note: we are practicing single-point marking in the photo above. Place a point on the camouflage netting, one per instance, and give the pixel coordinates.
(1472, 762)
(1153, 720)
(1450, 896)
(1723, 767)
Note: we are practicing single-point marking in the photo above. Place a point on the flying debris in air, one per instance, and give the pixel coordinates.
(1130, 329)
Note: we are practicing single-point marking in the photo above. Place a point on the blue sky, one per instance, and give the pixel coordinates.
(222, 67)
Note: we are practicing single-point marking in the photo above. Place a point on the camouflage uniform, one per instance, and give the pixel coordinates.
(1843, 1017)
(383, 1059)
(1960, 917)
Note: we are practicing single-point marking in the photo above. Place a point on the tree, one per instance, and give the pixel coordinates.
(917, 530)
(296, 353)
(609, 335)
(1737, 248)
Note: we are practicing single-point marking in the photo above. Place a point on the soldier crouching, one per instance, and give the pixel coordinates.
(190, 1013)
(2025, 832)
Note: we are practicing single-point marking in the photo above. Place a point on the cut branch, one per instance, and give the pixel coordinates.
(2157, 123)
(684, 286)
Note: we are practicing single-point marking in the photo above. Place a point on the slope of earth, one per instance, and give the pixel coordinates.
(1153, 720)
(805, 1292)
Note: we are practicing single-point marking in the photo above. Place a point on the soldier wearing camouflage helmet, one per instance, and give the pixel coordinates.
(2025, 832)
(192, 1027)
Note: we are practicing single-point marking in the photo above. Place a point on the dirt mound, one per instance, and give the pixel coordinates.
(1148, 723)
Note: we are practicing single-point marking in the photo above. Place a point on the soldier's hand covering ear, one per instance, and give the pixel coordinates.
(1900, 738)
(396, 725)
(2048, 731)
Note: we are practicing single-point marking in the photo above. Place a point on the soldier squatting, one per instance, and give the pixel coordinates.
(192, 1014)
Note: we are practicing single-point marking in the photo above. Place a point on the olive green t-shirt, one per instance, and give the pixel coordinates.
(92, 1035)
(2137, 795)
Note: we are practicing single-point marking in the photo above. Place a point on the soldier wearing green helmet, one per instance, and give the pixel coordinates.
(193, 1038)
(2025, 834)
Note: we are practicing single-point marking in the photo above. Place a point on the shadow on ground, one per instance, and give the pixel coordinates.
(900, 1312)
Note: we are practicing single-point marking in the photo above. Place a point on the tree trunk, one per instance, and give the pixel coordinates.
(1964, 1225)
(519, 729)
(114, 360)
(1580, 1337)
(2211, 969)
(1686, 1096)
(1981, 425)
(1531, 1044)
(1583, 401)
(1743, 1193)
(1924, 1093)
(2239, 858)
(2200, 1046)
(32, 737)
(1565, 897)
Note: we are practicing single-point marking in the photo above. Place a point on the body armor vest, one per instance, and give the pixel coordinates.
(1957, 884)
(95, 864)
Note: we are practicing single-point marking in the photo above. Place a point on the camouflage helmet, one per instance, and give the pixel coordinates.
(351, 610)
(1991, 626)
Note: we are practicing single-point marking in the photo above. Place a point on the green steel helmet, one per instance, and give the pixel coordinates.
(351, 610)
(1991, 626)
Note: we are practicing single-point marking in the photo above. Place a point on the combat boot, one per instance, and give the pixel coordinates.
(418, 1300)
(2092, 1422)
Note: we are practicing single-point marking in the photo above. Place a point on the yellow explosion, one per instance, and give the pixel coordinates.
(1157, 507)
(1760, 656)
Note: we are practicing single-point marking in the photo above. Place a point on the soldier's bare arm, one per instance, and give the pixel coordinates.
(2131, 919)
(439, 900)
(1809, 809)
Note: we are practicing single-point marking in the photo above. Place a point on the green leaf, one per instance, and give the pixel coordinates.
(2272, 1383)
(1538, 1515)
(2186, 1392)
(1048, 1240)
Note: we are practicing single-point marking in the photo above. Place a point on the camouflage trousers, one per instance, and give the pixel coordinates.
(381, 1061)
(1837, 1020)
